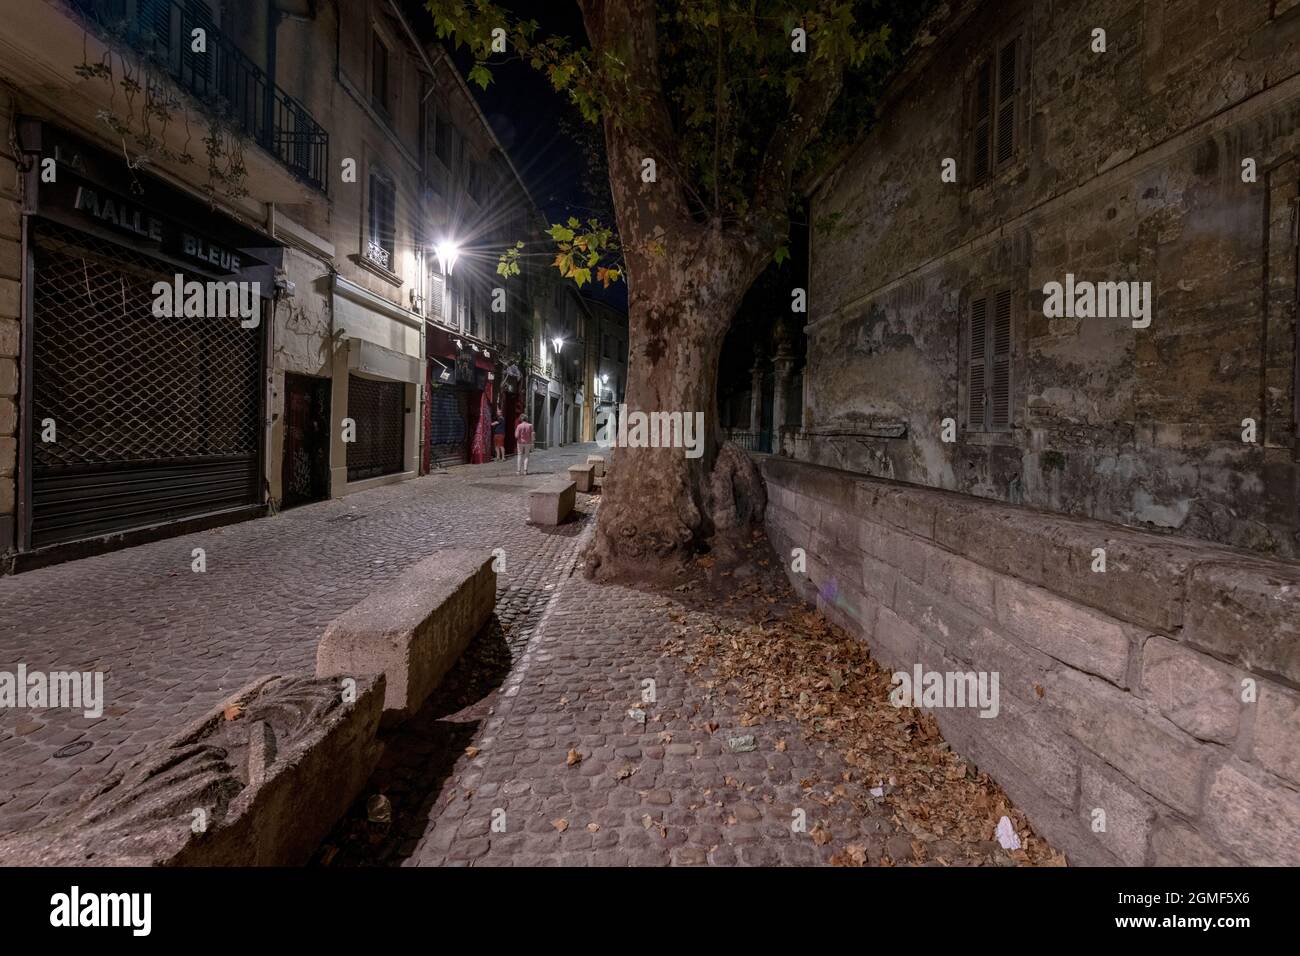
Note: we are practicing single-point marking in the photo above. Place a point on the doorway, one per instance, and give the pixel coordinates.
(305, 474)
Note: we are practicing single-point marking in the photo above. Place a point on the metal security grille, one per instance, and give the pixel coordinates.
(152, 418)
(447, 427)
(379, 411)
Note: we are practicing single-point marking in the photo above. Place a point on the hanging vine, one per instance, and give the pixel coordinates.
(150, 106)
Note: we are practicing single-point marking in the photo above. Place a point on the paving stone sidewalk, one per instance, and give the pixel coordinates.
(577, 770)
(172, 642)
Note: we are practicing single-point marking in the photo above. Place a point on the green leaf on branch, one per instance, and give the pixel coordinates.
(480, 74)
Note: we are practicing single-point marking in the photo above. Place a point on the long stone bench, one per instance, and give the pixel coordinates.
(412, 629)
(259, 780)
(584, 476)
(551, 503)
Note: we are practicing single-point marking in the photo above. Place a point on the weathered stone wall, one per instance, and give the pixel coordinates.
(1125, 691)
(1130, 168)
(10, 316)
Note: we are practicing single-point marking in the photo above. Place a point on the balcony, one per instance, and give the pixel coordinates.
(224, 80)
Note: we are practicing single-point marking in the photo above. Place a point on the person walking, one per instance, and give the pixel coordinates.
(524, 443)
(498, 437)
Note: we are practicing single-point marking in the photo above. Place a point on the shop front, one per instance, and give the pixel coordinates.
(375, 390)
(144, 347)
(460, 389)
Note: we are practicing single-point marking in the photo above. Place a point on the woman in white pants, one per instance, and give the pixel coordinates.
(524, 444)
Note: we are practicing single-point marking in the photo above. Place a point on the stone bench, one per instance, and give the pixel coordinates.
(551, 503)
(260, 780)
(584, 476)
(599, 462)
(413, 628)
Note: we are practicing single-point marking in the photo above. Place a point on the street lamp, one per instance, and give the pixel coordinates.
(558, 343)
(447, 252)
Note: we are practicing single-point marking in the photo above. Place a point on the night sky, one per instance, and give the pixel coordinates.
(523, 110)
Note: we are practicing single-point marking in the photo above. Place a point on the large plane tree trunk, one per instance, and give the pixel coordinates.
(660, 505)
(689, 264)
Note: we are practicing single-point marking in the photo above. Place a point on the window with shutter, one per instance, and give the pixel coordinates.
(988, 363)
(975, 392)
(435, 296)
(1008, 86)
(379, 76)
(999, 412)
(982, 122)
(442, 145)
(994, 107)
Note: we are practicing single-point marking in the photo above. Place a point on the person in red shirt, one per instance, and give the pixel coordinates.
(524, 441)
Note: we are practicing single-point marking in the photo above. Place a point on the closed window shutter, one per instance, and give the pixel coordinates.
(978, 351)
(435, 296)
(981, 122)
(1008, 87)
(1000, 364)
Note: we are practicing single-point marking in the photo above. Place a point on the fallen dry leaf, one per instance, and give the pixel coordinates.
(574, 758)
(560, 824)
(851, 855)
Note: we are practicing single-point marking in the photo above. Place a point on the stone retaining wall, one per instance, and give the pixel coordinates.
(1161, 692)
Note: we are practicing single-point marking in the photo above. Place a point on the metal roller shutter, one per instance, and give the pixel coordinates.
(379, 410)
(156, 419)
(447, 428)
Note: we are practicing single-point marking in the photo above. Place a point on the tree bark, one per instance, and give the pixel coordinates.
(659, 506)
(686, 278)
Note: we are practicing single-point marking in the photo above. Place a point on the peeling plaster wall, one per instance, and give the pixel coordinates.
(1129, 169)
(300, 344)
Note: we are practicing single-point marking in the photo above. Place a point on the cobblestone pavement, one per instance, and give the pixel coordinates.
(172, 642)
(576, 768)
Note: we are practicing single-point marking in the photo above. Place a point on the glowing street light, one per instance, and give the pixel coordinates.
(558, 343)
(447, 252)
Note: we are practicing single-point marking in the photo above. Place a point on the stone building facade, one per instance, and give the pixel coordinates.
(1100, 510)
(1110, 141)
(329, 152)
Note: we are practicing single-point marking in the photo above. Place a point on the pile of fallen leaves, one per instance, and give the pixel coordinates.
(799, 667)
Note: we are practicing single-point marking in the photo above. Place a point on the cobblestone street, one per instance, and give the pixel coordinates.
(541, 726)
(581, 771)
(172, 642)
(609, 742)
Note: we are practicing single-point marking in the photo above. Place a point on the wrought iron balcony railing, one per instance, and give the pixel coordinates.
(377, 254)
(222, 78)
(760, 441)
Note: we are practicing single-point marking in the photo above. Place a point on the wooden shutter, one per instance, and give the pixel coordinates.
(1008, 87)
(982, 122)
(1000, 364)
(435, 296)
(976, 363)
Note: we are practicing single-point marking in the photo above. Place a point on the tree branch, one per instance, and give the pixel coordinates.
(812, 104)
(625, 33)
